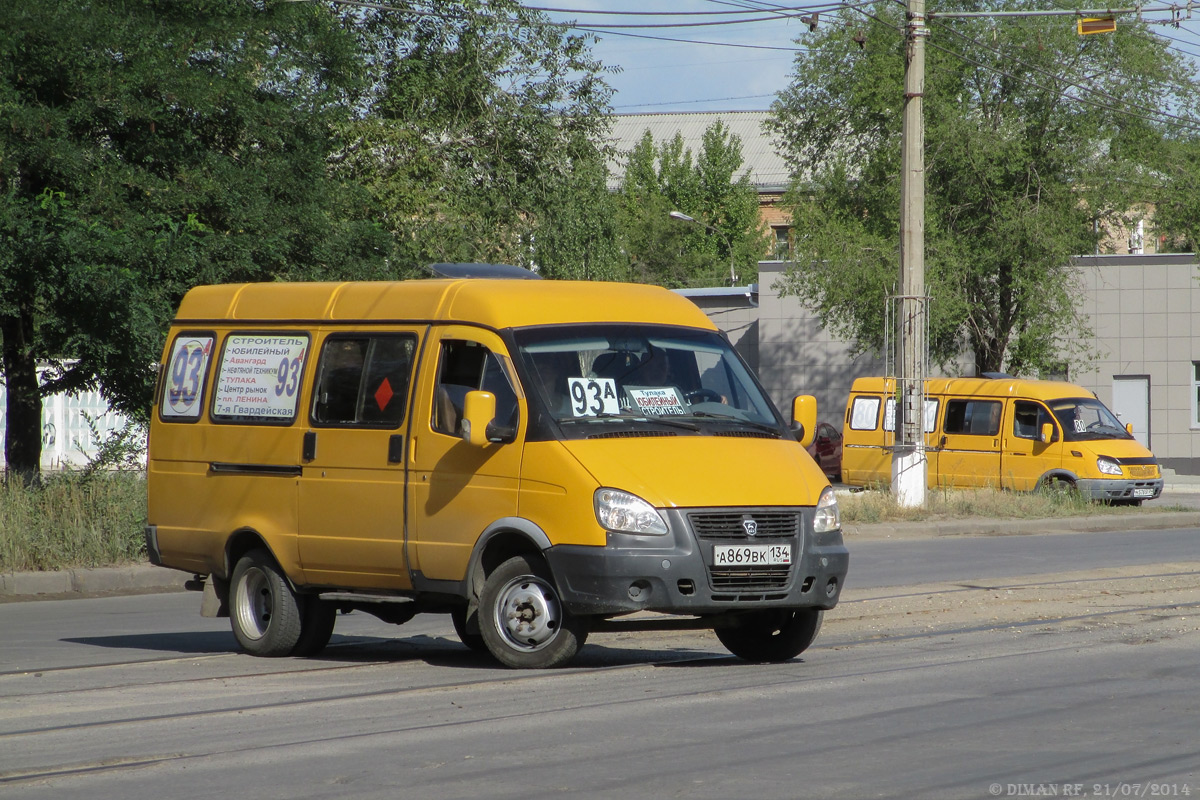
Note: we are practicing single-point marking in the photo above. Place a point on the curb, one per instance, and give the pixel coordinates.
(1022, 527)
(136, 579)
(146, 579)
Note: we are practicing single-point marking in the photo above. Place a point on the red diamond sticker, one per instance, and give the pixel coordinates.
(383, 395)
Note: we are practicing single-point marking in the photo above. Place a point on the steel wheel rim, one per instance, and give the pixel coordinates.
(254, 603)
(528, 613)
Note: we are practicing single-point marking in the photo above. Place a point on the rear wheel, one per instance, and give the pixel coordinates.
(774, 635)
(263, 610)
(316, 626)
(522, 618)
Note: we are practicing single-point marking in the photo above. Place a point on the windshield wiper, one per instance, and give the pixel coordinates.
(762, 426)
(676, 423)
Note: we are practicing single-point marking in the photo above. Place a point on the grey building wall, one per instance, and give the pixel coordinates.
(735, 312)
(798, 356)
(1145, 313)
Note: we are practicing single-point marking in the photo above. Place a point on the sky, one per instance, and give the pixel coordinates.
(706, 71)
(676, 76)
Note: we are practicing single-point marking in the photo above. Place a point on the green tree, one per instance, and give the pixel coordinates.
(148, 147)
(481, 139)
(662, 178)
(1177, 207)
(1034, 140)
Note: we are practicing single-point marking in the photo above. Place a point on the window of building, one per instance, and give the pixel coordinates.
(1196, 394)
(783, 248)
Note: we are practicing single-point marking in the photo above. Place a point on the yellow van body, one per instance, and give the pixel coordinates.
(406, 447)
(1002, 432)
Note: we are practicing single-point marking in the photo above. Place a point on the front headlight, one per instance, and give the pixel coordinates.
(827, 518)
(1108, 466)
(622, 511)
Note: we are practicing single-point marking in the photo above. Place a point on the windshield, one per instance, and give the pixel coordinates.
(1087, 418)
(678, 377)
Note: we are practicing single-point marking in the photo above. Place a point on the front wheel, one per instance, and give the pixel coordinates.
(263, 610)
(770, 636)
(462, 627)
(522, 619)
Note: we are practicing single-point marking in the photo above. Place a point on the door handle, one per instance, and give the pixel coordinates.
(395, 453)
(309, 450)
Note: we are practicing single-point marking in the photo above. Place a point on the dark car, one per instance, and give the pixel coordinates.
(826, 450)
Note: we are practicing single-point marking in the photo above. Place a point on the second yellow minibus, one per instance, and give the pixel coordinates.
(1002, 432)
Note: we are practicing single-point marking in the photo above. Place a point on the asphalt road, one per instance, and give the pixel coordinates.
(139, 697)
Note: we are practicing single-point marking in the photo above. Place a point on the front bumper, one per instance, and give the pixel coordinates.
(1120, 488)
(674, 574)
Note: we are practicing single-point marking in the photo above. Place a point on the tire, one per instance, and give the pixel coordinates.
(472, 640)
(1060, 487)
(264, 612)
(316, 627)
(772, 636)
(522, 619)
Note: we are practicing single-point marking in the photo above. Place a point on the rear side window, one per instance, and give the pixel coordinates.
(889, 415)
(972, 417)
(185, 376)
(259, 377)
(864, 414)
(363, 380)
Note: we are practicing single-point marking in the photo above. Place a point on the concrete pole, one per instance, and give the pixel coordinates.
(908, 459)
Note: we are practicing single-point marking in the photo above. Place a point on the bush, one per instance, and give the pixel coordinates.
(72, 519)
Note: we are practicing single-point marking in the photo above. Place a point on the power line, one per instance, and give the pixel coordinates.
(1119, 105)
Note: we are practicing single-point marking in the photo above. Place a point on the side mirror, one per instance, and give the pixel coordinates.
(479, 409)
(1048, 434)
(804, 418)
(1129, 428)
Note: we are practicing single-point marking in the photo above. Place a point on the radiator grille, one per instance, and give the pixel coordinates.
(726, 525)
(742, 579)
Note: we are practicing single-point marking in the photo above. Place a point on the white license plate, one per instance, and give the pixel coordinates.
(1143, 493)
(751, 555)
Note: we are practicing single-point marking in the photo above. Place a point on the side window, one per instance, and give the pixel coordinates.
(1028, 419)
(185, 375)
(972, 417)
(864, 414)
(466, 366)
(930, 421)
(363, 380)
(258, 379)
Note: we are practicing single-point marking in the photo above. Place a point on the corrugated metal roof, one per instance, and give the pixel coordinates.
(767, 168)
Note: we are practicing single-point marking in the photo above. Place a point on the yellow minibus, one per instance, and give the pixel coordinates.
(1003, 432)
(538, 459)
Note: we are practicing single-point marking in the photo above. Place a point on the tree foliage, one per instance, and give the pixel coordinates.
(1177, 208)
(150, 146)
(481, 140)
(1035, 140)
(664, 177)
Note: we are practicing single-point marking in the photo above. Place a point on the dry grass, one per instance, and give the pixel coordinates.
(72, 520)
(873, 505)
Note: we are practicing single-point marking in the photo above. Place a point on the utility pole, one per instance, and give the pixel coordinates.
(908, 457)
